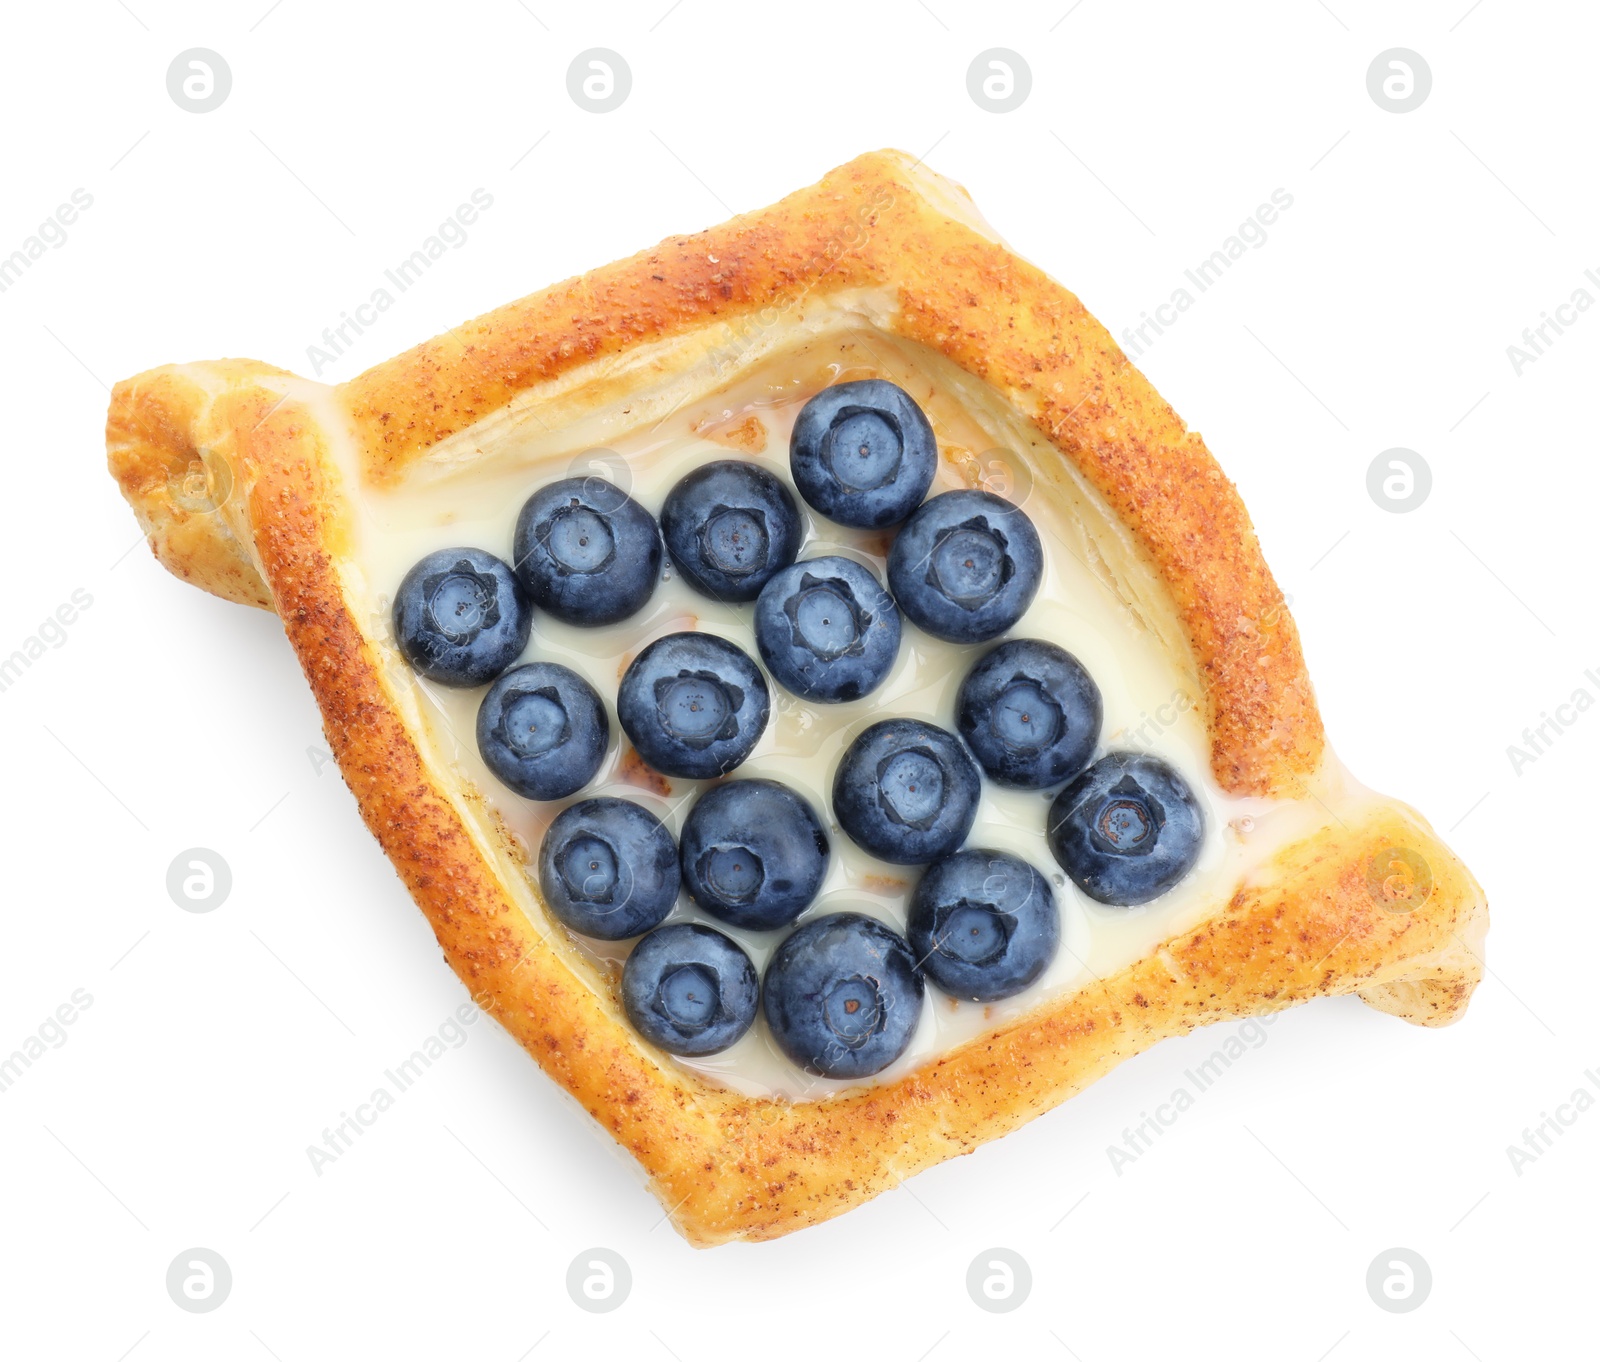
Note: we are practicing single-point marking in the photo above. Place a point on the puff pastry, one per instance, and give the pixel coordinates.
(247, 481)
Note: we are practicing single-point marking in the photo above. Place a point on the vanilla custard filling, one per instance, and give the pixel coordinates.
(1098, 600)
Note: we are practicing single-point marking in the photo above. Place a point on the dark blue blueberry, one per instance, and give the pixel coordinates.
(842, 996)
(753, 853)
(608, 868)
(983, 924)
(1127, 829)
(693, 705)
(587, 551)
(966, 566)
(729, 526)
(863, 454)
(543, 730)
(827, 629)
(690, 990)
(907, 792)
(1030, 713)
(461, 617)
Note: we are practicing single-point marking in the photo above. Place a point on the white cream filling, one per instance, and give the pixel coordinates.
(1098, 600)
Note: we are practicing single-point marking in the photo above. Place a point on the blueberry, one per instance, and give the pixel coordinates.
(543, 730)
(693, 705)
(983, 924)
(608, 868)
(1127, 829)
(906, 791)
(842, 996)
(863, 454)
(1030, 713)
(587, 551)
(690, 990)
(461, 617)
(729, 527)
(754, 853)
(966, 566)
(827, 629)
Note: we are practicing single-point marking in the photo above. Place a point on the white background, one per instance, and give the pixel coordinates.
(218, 1046)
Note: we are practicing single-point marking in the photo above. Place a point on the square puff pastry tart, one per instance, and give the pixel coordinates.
(277, 492)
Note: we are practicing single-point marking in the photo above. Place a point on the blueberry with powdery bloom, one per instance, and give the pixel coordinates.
(863, 454)
(966, 566)
(906, 791)
(842, 996)
(730, 526)
(828, 630)
(693, 705)
(1127, 830)
(608, 868)
(587, 552)
(543, 730)
(754, 853)
(690, 990)
(1030, 713)
(983, 924)
(461, 617)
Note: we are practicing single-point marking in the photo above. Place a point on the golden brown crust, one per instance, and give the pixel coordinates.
(1377, 906)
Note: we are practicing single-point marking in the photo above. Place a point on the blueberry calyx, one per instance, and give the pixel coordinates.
(461, 602)
(734, 541)
(969, 564)
(825, 619)
(579, 540)
(698, 708)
